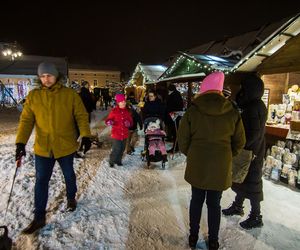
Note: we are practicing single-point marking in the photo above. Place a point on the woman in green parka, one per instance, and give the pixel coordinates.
(55, 112)
(211, 132)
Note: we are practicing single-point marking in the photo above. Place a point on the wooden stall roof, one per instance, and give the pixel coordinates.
(284, 60)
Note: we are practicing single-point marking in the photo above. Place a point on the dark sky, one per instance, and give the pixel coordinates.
(121, 34)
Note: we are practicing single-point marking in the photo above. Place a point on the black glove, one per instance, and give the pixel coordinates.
(20, 151)
(86, 143)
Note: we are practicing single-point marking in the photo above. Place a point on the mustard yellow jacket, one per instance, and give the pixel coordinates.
(56, 113)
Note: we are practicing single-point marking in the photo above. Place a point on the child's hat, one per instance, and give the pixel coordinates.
(120, 98)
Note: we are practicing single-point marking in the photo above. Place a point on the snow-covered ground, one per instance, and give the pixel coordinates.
(130, 207)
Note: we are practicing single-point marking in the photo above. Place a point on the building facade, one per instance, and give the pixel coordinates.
(96, 77)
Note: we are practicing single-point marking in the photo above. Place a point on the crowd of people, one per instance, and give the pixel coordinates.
(210, 133)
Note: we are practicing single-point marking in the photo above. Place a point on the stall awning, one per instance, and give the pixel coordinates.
(285, 60)
(262, 57)
(192, 65)
(144, 74)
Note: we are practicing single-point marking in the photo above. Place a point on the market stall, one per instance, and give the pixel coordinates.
(277, 61)
(143, 76)
(188, 70)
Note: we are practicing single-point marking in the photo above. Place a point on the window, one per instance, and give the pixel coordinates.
(95, 82)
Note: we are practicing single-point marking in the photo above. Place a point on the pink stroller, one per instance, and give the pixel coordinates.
(155, 148)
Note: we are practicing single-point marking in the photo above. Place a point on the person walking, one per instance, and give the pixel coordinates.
(210, 133)
(87, 99)
(120, 119)
(254, 116)
(133, 133)
(174, 104)
(55, 111)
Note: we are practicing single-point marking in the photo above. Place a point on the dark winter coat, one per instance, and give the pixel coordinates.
(153, 108)
(174, 103)
(210, 133)
(87, 99)
(136, 119)
(118, 117)
(55, 113)
(254, 116)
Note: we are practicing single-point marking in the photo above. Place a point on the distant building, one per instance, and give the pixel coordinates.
(95, 76)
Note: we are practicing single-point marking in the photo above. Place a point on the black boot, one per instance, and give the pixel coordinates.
(71, 205)
(213, 245)
(34, 225)
(234, 209)
(193, 239)
(253, 221)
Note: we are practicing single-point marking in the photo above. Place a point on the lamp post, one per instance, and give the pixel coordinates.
(10, 50)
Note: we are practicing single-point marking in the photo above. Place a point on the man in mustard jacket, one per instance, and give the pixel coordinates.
(55, 112)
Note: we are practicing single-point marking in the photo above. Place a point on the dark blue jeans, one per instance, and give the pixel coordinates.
(213, 199)
(44, 168)
(118, 147)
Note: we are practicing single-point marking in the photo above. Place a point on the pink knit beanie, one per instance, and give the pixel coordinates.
(213, 81)
(120, 98)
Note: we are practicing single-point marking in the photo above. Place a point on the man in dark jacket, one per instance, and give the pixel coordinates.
(210, 133)
(87, 99)
(254, 115)
(174, 104)
(133, 135)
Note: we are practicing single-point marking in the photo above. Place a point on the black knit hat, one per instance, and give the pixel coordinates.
(47, 68)
(171, 87)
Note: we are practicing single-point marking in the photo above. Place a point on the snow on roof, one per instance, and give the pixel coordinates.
(150, 73)
(270, 45)
(243, 43)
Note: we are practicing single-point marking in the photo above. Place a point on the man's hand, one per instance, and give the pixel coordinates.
(86, 143)
(20, 151)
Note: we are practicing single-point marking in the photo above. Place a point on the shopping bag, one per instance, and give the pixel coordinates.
(240, 165)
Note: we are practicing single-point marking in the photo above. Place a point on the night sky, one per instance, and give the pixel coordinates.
(122, 34)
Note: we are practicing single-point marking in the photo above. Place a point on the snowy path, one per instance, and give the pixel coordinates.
(132, 207)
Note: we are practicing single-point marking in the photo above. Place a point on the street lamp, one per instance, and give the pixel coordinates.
(10, 50)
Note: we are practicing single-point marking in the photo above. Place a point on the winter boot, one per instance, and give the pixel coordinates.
(253, 221)
(213, 245)
(34, 225)
(71, 205)
(234, 209)
(193, 239)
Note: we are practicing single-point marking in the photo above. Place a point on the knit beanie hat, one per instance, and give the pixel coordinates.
(47, 68)
(120, 98)
(213, 81)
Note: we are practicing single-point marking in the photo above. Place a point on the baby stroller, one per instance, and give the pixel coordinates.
(154, 148)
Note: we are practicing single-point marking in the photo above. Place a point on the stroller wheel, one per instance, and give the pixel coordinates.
(148, 164)
(163, 165)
